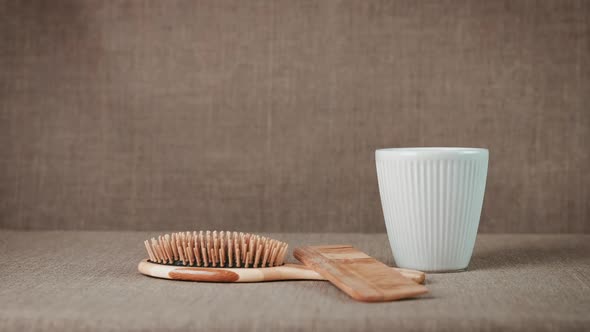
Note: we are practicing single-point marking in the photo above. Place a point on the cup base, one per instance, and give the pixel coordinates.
(445, 271)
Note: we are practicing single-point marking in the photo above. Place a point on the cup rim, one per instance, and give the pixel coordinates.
(423, 151)
(432, 148)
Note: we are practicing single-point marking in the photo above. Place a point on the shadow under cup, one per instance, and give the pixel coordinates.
(432, 200)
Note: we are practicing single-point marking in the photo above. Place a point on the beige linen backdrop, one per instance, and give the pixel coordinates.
(264, 115)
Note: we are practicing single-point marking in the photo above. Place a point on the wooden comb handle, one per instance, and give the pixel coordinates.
(357, 274)
(284, 272)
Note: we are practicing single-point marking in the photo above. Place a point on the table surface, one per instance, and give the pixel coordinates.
(56, 281)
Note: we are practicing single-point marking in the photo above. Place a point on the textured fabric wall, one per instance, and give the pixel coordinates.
(264, 115)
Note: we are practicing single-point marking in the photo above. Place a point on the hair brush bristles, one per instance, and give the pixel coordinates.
(216, 249)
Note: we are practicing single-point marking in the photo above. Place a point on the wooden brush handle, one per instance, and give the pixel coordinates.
(284, 272)
(416, 276)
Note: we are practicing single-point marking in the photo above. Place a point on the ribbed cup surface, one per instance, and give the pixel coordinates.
(432, 200)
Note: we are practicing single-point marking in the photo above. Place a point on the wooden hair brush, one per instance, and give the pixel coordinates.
(227, 257)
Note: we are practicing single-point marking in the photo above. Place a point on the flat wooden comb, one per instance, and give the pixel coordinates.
(357, 274)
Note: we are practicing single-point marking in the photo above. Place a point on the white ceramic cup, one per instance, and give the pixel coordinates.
(432, 199)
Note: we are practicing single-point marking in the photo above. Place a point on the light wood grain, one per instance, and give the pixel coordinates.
(357, 274)
(284, 272)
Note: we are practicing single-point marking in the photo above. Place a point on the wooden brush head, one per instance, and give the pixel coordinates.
(216, 249)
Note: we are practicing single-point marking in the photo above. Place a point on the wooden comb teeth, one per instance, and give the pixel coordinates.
(216, 249)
